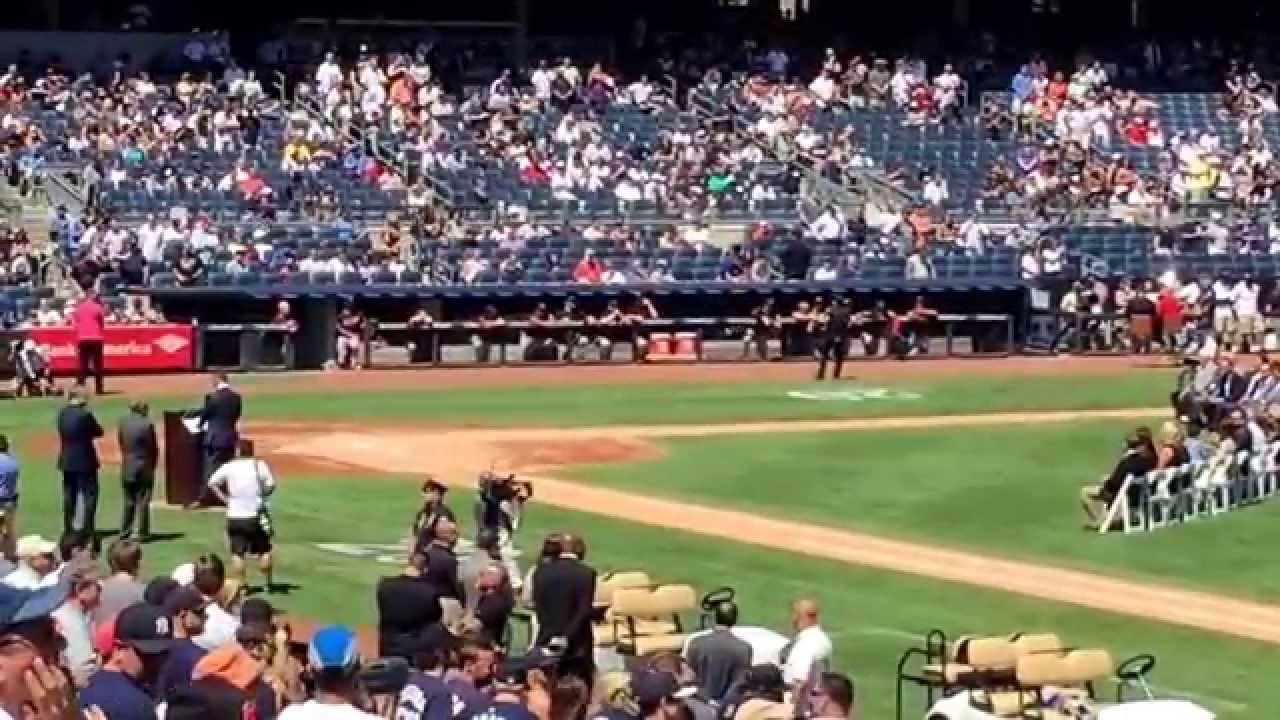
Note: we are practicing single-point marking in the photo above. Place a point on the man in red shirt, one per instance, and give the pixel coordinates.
(89, 321)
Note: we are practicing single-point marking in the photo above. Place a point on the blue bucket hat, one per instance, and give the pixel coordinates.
(20, 605)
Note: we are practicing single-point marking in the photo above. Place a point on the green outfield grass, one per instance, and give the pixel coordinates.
(588, 405)
(872, 615)
(1005, 490)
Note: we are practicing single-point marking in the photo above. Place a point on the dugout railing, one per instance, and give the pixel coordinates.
(670, 340)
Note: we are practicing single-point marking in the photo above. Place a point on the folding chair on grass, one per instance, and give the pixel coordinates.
(1132, 517)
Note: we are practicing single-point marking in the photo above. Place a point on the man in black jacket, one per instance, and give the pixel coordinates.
(78, 461)
(835, 339)
(1139, 459)
(139, 452)
(564, 591)
(407, 606)
(220, 417)
(441, 571)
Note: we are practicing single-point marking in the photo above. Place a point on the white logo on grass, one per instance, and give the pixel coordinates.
(854, 394)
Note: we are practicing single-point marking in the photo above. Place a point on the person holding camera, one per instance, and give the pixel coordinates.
(501, 500)
(334, 665)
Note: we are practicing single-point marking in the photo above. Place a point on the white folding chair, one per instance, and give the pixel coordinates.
(1132, 519)
(1164, 504)
(1267, 480)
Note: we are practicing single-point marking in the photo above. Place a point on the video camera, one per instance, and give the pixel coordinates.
(500, 501)
(490, 483)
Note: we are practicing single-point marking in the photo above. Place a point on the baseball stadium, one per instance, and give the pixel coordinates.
(956, 352)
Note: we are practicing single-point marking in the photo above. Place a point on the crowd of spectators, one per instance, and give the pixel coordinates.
(1080, 138)
(119, 643)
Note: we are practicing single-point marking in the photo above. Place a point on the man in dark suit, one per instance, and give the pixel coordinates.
(564, 591)
(220, 417)
(1227, 389)
(835, 339)
(138, 454)
(441, 571)
(78, 461)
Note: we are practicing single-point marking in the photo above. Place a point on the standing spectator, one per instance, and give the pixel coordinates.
(432, 510)
(139, 452)
(563, 598)
(75, 624)
(1249, 326)
(719, 659)
(78, 461)
(142, 641)
(244, 485)
(810, 653)
(441, 571)
(9, 473)
(334, 662)
(407, 606)
(89, 320)
(122, 588)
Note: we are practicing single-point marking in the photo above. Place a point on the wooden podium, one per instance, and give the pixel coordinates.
(182, 462)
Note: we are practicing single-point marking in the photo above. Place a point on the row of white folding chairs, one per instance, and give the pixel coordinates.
(1227, 481)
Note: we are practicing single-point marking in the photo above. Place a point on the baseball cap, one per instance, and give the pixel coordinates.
(159, 590)
(333, 647)
(144, 628)
(104, 638)
(20, 605)
(183, 599)
(30, 546)
(651, 687)
(514, 671)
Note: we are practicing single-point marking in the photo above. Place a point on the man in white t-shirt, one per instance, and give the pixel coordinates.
(809, 654)
(541, 80)
(243, 485)
(328, 75)
(1249, 326)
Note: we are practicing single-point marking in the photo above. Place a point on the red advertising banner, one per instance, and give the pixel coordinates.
(126, 347)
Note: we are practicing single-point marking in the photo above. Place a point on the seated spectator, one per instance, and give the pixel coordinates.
(209, 577)
(142, 641)
(185, 607)
(36, 561)
(33, 371)
(122, 588)
(75, 624)
(1138, 460)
